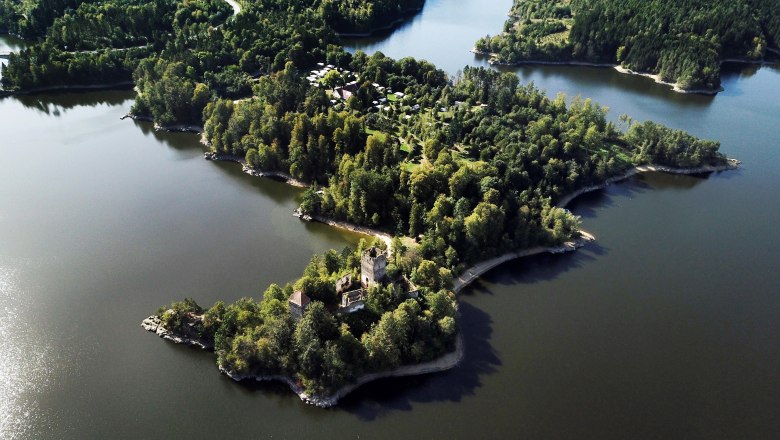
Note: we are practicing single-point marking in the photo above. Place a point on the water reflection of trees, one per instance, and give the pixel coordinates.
(54, 104)
(384, 397)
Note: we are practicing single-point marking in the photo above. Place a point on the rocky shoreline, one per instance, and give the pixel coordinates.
(385, 237)
(154, 325)
(197, 129)
(471, 274)
(286, 178)
(443, 363)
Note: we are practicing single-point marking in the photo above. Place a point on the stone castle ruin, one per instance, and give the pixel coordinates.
(373, 265)
(373, 271)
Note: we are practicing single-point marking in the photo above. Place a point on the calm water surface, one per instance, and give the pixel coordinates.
(666, 327)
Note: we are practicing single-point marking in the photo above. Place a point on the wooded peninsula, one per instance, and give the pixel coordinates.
(683, 42)
(457, 169)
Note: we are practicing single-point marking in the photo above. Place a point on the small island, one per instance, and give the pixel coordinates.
(678, 43)
(452, 176)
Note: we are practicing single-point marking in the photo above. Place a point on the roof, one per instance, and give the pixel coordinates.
(299, 299)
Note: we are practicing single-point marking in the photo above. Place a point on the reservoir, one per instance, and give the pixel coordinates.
(666, 327)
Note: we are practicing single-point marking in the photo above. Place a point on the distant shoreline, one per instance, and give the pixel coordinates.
(71, 88)
(405, 15)
(655, 77)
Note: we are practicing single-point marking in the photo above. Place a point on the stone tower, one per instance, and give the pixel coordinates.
(372, 267)
(298, 303)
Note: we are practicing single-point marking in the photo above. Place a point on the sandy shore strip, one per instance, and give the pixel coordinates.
(731, 165)
(471, 274)
(286, 178)
(675, 87)
(385, 237)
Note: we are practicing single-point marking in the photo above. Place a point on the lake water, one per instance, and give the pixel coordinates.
(666, 327)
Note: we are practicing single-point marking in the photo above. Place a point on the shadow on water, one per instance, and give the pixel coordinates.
(587, 204)
(536, 268)
(54, 103)
(384, 397)
(178, 141)
(381, 36)
(679, 182)
(186, 142)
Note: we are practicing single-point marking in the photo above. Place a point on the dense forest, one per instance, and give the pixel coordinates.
(474, 171)
(360, 16)
(683, 42)
(77, 37)
(462, 168)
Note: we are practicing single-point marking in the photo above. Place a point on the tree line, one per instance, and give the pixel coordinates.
(683, 42)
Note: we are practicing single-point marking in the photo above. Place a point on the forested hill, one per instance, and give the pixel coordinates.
(361, 16)
(683, 41)
(32, 19)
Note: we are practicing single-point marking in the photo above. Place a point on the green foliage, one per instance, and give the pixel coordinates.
(682, 41)
(365, 15)
(169, 92)
(323, 350)
(661, 145)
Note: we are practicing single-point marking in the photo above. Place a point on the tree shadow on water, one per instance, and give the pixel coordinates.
(587, 205)
(55, 103)
(384, 397)
(536, 268)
